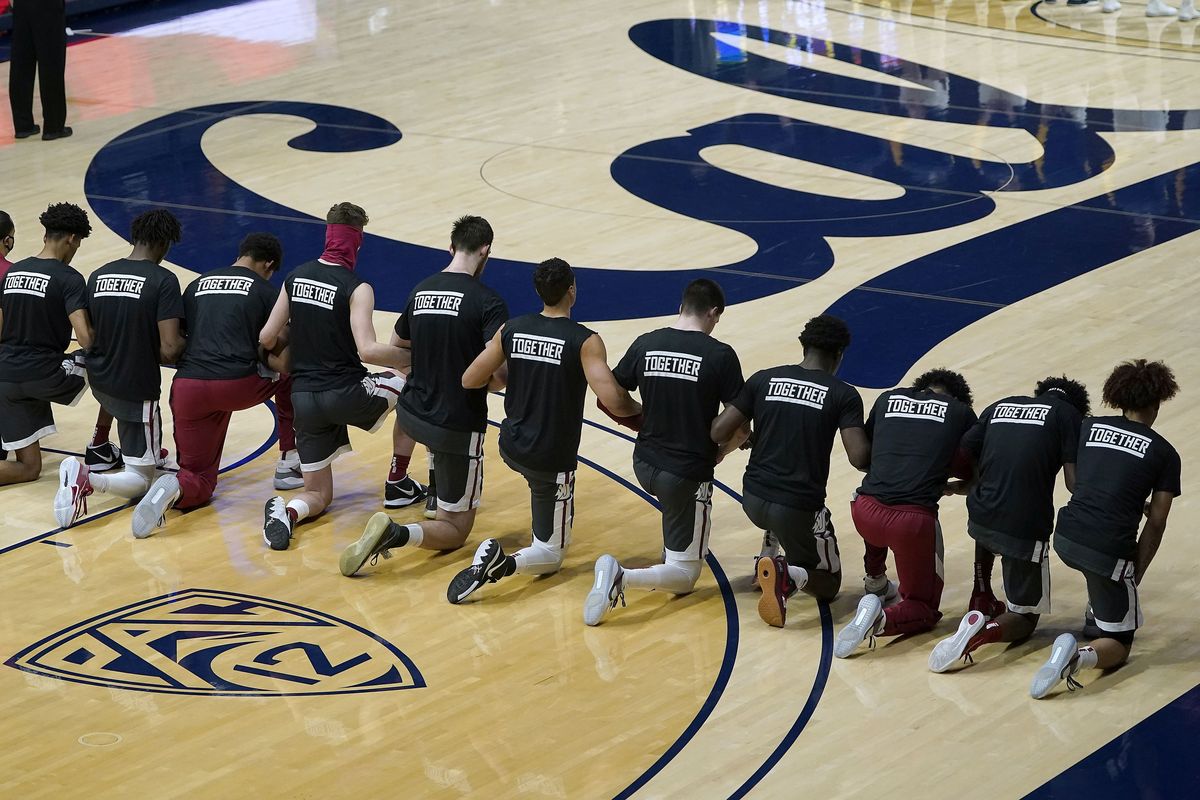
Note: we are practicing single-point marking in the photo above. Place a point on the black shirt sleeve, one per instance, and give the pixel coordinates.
(74, 293)
(1069, 422)
(495, 314)
(744, 402)
(1169, 479)
(731, 376)
(626, 371)
(170, 301)
(850, 414)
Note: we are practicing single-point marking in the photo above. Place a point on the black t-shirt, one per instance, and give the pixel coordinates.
(225, 311)
(796, 413)
(543, 404)
(1120, 463)
(127, 299)
(39, 296)
(1021, 443)
(914, 436)
(449, 318)
(321, 342)
(683, 377)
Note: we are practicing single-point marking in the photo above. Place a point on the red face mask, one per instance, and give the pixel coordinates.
(341, 245)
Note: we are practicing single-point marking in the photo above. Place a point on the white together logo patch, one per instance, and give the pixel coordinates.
(1117, 439)
(666, 364)
(219, 284)
(1021, 414)
(791, 390)
(117, 285)
(444, 303)
(313, 293)
(33, 283)
(908, 408)
(537, 348)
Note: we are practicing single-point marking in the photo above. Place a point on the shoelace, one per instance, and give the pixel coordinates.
(375, 557)
(967, 658)
(1073, 684)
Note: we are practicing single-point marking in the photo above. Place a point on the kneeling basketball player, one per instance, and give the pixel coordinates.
(683, 376)
(221, 372)
(331, 335)
(797, 410)
(915, 435)
(551, 360)
(1019, 444)
(1122, 462)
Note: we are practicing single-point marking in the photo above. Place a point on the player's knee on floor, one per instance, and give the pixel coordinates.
(823, 585)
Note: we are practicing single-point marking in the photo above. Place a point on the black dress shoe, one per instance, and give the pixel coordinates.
(49, 137)
(34, 131)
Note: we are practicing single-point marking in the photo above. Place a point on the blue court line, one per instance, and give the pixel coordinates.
(264, 447)
(819, 682)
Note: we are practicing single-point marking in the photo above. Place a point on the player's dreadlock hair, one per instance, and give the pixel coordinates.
(155, 227)
(262, 247)
(552, 279)
(470, 234)
(951, 381)
(1074, 392)
(825, 333)
(347, 214)
(63, 219)
(1140, 384)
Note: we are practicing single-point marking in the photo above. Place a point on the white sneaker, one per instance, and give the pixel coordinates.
(277, 525)
(608, 587)
(887, 591)
(151, 510)
(1157, 8)
(1110, 6)
(949, 650)
(70, 501)
(1060, 665)
(287, 472)
(865, 622)
(1187, 11)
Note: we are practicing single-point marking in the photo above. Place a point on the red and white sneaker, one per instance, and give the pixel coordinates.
(70, 501)
(987, 604)
(948, 651)
(776, 586)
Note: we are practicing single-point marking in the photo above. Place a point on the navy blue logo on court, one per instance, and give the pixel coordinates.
(202, 641)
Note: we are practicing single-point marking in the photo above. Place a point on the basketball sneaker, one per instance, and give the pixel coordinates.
(1063, 661)
(377, 537)
(488, 566)
(1157, 8)
(608, 588)
(70, 501)
(1111, 6)
(949, 650)
(887, 591)
(431, 497)
(277, 525)
(867, 622)
(151, 511)
(402, 493)
(103, 457)
(987, 604)
(770, 549)
(776, 586)
(288, 475)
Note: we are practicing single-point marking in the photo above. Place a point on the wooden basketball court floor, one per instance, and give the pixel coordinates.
(1009, 189)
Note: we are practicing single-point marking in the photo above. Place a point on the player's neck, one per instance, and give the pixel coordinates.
(1145, 416)
(690, 322)
(562, 310)
(465, 264)
(55, 250)
(820, 362)
(143, 253)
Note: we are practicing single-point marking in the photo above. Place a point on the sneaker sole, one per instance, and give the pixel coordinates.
(289, 484)
(772, 606)
(267, 519)
(405, 503)
(66, 511)
(1050, 674)
(153, 505)
(472, 584)
(354, 556)
(598, 602)
(948, 651)
(851, 636)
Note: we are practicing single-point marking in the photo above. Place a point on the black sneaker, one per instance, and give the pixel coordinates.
(402, 493)
(377, 537)
(103, 457)
(486, 567)
(277, 525)
(431, 498)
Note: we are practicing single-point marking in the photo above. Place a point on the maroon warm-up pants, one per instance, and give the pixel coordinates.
(202, 410)
(913, 536)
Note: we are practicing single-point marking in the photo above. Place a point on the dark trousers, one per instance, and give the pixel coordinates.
(39, 45)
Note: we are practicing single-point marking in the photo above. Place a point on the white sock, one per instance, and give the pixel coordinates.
(677, 577)
(416, 534)
(300, 507)
(539, 559)
(799, 576)
(290, 459)
(1087, 659)
(130, 482)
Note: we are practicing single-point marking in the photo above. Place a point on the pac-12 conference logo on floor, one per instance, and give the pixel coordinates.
(162, 162)
(201, 641)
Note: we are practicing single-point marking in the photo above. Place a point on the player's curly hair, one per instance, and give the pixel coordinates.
(262, 247)
(155, 227)
(951, 381)
(1074, 392)
(552, 280)
(63, 219)
(1140, 384)
(826, 333)
(347, 214)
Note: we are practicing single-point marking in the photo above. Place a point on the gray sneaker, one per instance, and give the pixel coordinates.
(886, 590)
(1061, 665)
(150, 513)
(607, 589)
(288, 477)
(866, 618)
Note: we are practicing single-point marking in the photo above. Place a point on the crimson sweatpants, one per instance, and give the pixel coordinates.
(913, 535)
(202, 410)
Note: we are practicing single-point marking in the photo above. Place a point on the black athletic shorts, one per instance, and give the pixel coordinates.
(686, 507)
(25, 415)
(1113, 598)
(458, 478)
(551, 501)
(807, 537)
(322, 419)
(139, 428)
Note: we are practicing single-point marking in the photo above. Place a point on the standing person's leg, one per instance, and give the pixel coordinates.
(50, 34)
(22, 69)
(400, 490)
